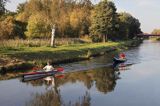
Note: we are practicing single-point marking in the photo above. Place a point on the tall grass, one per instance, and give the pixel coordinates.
(39, 42)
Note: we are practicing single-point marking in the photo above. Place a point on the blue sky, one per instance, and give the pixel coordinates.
(147, 11)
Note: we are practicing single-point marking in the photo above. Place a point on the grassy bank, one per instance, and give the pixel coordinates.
(22, 57)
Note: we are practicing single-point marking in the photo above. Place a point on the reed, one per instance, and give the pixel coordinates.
(16, 43)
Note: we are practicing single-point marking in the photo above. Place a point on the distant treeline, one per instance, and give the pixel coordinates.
(72, 18)
(156, 31)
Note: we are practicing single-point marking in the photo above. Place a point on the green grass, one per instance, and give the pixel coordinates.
(60, 53)
(75, 47)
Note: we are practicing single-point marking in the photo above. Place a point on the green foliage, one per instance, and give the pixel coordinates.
(21, 7)
(103, 19)
(129, 26)
(96, 38)
(2, 7)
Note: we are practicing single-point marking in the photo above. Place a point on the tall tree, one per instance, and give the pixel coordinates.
(103, 19)
(38, 27)
(2, 6)
(72, 18)
(129, 26)
(21, 7)
(10, 28)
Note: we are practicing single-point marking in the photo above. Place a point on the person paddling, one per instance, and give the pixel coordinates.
(48, 67)
(122, 56)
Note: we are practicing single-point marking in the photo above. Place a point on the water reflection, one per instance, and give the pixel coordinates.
(121, 66)
(104, 79)
(53, 98)
(49, 98)
(50, 81)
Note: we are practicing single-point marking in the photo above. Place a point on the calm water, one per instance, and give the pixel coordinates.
(96, 84)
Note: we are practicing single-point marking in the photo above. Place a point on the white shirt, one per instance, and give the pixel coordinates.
(48, 68)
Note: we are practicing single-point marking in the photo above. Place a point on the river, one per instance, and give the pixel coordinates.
(93, 83)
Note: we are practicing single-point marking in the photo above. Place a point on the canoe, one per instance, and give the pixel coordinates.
(118, 60)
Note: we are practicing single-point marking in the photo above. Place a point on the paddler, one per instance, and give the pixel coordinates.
(49, 67)
(122, 56)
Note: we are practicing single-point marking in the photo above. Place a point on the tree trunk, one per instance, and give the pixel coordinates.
(52, 41)
(104, 38)
(53, 37)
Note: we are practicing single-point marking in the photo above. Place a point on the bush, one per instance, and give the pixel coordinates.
(96, 38)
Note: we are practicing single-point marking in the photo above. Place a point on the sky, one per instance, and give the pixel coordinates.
(147, 11)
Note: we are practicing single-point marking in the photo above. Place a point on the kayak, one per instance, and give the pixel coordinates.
(118, 60)
(38, 73)
(41, 73)
(24, 79)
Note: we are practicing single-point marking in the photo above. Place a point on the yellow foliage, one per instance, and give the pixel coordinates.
(7, 28)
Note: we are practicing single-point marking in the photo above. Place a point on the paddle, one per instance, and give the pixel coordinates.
(59, 76)
(60, 69)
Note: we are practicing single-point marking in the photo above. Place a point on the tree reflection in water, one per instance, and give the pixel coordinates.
(53, 98)
(103, 78)
(49, 98)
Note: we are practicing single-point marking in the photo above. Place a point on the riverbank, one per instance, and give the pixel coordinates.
(158, 39)
(155, 38)
(21, 58)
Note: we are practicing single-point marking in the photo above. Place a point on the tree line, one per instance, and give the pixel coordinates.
(156, 32)
(73, 19)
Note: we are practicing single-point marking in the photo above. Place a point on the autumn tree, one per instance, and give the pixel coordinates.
(27, 9)
(156, 32)
(10, 28)
(72, 18)
(37, 27)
